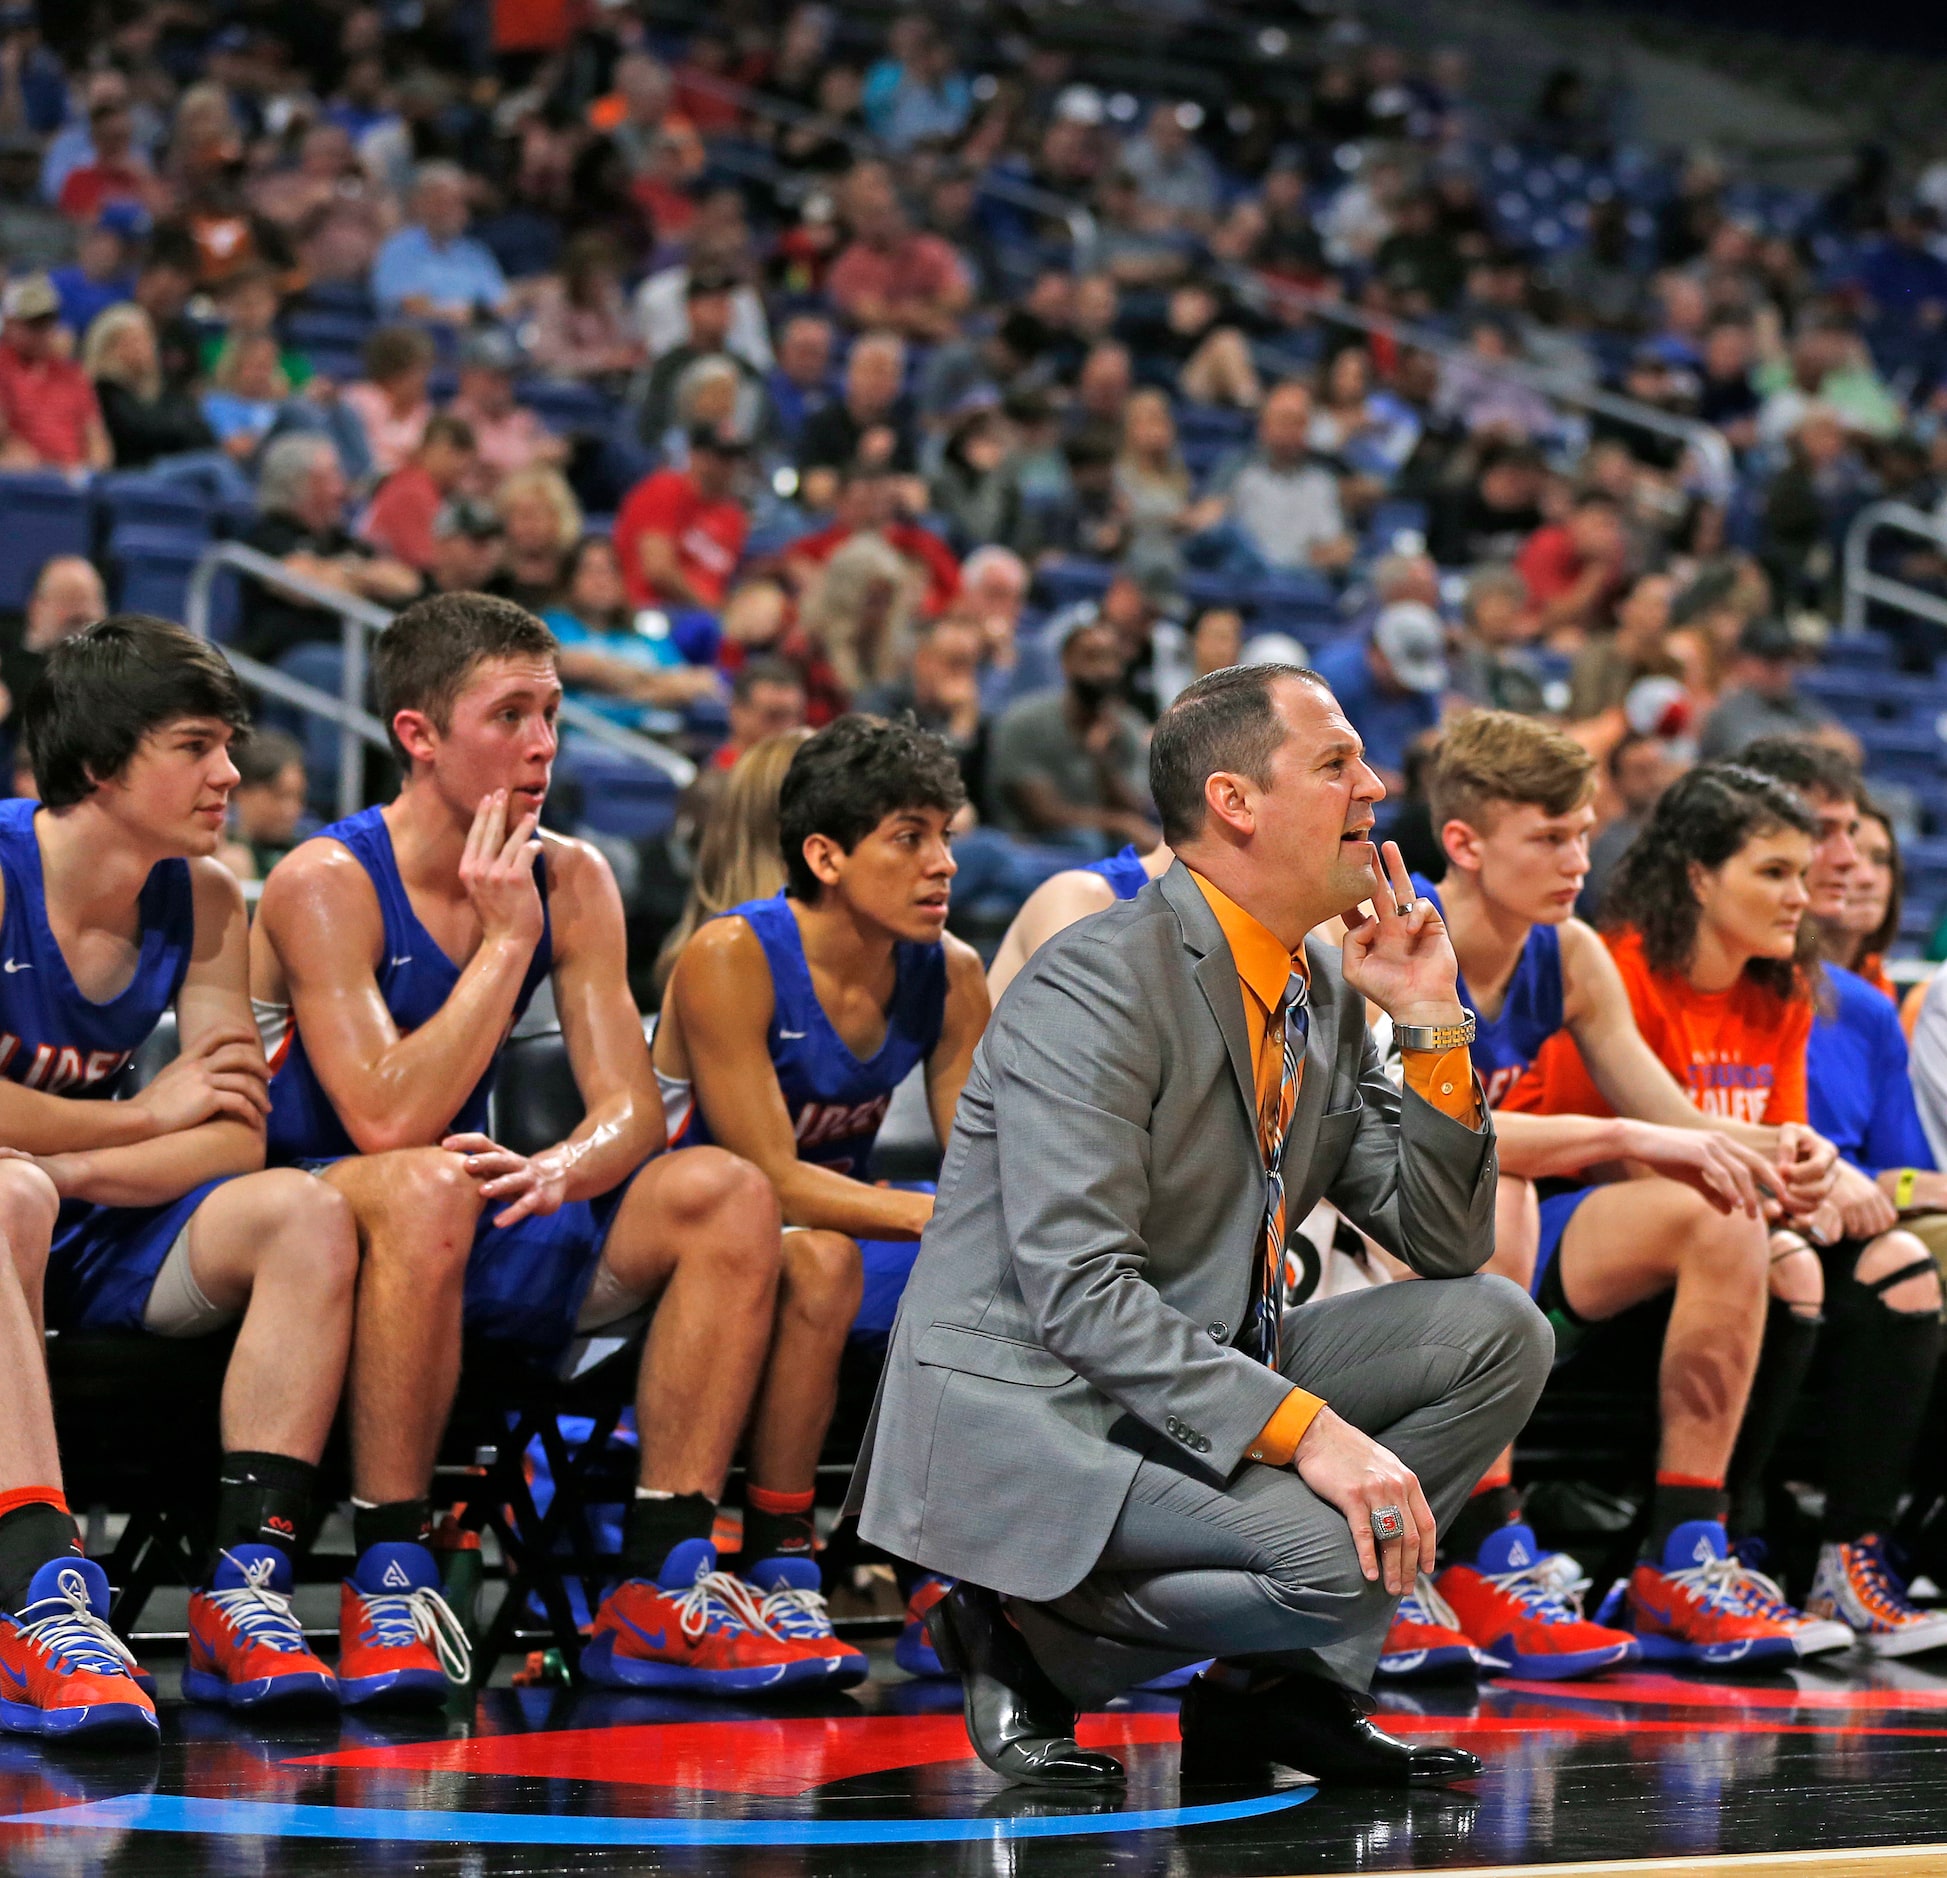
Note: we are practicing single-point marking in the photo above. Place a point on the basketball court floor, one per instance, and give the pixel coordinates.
(1834, 1771)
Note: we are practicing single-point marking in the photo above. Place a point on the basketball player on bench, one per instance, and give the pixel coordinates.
(392, 955)
(788, 1024)
(115, 910)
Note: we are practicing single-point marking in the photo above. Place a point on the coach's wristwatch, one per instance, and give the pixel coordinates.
(1435, 1036)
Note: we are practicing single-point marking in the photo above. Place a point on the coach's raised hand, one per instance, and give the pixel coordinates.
(497, 871)
(1399, 954)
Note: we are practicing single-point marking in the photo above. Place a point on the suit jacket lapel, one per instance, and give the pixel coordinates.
(1216, 976)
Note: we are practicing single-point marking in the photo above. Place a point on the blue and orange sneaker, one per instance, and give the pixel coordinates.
(913, 1651)
(399, 1644)
(1858, 1590)
(792, 1606)
(1426, 1640)
(1700, 1605)
(246, 1649)
(1523, 1607)
(64, 1674)
(692, 1627)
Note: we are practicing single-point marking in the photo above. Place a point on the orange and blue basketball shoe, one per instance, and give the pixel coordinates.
(694, 1627)
(399, 1644)
(1856, 1588)
(1427, 1641)
(913, 1650)
(1523, 1607)
(792, 1606)
(1700, 1605)
(246, 1649)
(63, 1673)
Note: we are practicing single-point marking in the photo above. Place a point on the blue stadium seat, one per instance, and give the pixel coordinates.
(1867, 651)
(42, 514)
(1063, 583)
(614, 796)
(563, 405)
(134, 499)
(1905, 753)
(151, 569)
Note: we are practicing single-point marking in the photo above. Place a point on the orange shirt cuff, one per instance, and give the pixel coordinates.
(1283, 1432)
(1445, 1081)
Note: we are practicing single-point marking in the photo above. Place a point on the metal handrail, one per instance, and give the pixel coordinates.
(991, 182)
(358, 729)
(1861, 584)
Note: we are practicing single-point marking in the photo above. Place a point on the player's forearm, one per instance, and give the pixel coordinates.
(817, 1197)
(37, 1123)
(406, 1099)
(152, 1173)
(1536, 1146)
(614, 1139)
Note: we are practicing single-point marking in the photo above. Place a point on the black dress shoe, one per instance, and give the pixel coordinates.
(1018, 1721)
(1310, 1725)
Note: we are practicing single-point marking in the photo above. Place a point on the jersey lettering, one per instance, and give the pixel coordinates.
(821, 1122)
(1500, 1081)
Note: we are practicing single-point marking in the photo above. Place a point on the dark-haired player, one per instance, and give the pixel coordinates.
(392, 955)
(159, 1215)
(787, 1025)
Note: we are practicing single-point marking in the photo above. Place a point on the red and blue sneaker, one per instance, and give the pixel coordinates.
(792, 1606)
(64, 1674)
(1700, 1606)
(913, 1651)
(246, 1649)
(1426, 1641)
(399, 1644)
(692, 1627)
(1523, 1607)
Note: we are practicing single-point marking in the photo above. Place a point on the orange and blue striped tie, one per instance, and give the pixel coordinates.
(1292, 1019)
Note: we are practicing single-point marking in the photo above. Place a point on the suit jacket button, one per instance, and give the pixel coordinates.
(1203, 1444)
(1217, 1333)
(1174, 1426)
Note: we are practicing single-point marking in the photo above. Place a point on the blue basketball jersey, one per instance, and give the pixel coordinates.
(415, 978)
(836, 1102)
(1123, 871)
(1531, 1012)
(52, 1036)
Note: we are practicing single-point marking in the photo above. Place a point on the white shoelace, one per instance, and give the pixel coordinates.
(72, 1633)
(720, 1596)
(1551, 1587)
(1424, 1605)
(790, 1612)
(397, 1617)
(1720, 1582)
(261, 1614)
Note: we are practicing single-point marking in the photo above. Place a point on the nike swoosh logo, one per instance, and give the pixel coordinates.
(784, 1036)
(14, 965)
(652, 1639)
(407, 960)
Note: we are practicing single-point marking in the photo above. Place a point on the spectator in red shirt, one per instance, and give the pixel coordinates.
(868, 501)
(1574, 567)
(49, 418)
(118, 172)
(681, 533)
(400, 520)
(889, 275)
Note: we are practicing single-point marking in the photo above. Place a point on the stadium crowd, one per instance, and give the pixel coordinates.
(803, 373)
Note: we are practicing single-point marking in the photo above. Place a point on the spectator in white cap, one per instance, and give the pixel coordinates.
(1388, 681)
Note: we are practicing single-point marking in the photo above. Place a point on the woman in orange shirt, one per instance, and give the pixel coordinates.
(1708, 929)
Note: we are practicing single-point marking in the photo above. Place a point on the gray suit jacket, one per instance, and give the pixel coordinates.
(1090, 1260)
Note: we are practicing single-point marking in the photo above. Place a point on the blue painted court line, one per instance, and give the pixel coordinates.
(255, 1819)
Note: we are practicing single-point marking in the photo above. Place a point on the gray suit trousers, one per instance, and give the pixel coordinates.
(1442, 1371)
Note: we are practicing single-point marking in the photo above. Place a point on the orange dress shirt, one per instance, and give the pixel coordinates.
(1444, 1079)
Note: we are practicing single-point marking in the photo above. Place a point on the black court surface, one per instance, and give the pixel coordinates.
(1820, 1770)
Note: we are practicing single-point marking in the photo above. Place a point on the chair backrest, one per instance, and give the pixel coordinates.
(152, 569)
(41, 515)
(536, 1102)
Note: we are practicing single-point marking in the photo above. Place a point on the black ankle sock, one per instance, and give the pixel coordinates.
(30, 1535)
(1878, 1397)
(1485, 1512)
(1789, 1342)
(771, 1533)
(652, 1529)
(397, 1522)
(1674, 1504)
(261, 1499)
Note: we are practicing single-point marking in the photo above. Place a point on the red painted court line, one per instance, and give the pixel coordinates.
(1676, 1692)
(1570, 1723)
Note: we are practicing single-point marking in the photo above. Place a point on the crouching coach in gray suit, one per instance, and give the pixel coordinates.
(1093, 1413)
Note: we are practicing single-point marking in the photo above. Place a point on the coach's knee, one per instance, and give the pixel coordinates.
(28, 1206)
(823, 1278)
(1509, 1331)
